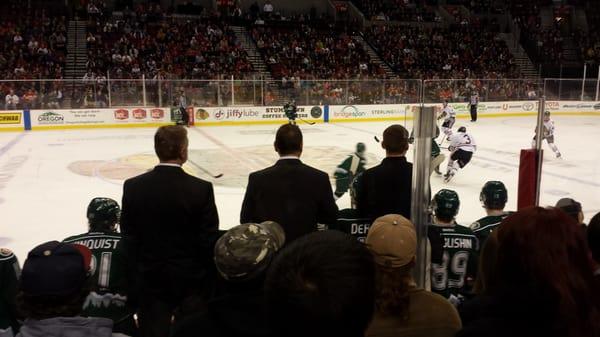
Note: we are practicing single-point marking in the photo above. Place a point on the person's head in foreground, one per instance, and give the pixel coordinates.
(171, 144)
(493, 196)
(54, 281)
(321, 285)
(288, 140)
(244, 253)
(572, 208)
(593, 237)
(395, 140)
(445, 205)
(393, 242)
(543, 264)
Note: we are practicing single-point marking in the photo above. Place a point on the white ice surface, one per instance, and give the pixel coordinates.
(47, 178)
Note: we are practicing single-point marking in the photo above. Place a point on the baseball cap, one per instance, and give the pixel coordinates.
(55, 269)
(392, 240)
(245, 251)
(569, 206)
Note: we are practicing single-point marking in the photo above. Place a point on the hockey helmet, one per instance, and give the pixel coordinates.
(546, 113)
(446, 203)
(493, 195)
(462, 129)
(103, 214)
(361, 148)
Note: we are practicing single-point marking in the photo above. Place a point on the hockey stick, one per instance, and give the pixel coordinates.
(205, 170)
(307, 122)
(376, 139)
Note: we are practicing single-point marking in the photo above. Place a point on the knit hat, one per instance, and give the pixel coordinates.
(55, 269)
(392, 240)
(245, 251)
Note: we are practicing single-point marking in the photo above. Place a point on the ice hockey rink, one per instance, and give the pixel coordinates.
(47, 178)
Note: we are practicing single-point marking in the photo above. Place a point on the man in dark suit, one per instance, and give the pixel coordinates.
(290, 193)
(168, 221)
(387, 187)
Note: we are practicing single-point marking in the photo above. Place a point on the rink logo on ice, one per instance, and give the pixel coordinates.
(51, 118)
(121, 114)
(10, 118)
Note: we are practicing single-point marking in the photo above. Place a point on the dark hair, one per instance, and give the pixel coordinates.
(593, 236)
(321, 285)
(43, 307)
(288, 139)
(169, 140)
(485, 282)
(395, 139)
(543, 256)
(391, 290)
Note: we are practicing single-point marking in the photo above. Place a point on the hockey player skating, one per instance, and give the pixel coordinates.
(493, 197)
(449, 116)
(437, 157)
(291, 111)
(462, 146)
(345, 172)
(548, 134)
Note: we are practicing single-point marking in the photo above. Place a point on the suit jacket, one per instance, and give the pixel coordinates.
(169, 219)
(292, 194)
(385, 189)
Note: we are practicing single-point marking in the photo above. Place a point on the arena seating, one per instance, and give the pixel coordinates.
(395, 10)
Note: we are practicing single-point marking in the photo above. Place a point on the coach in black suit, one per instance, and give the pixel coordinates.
(168, 220)
(290, 193)
(387, 187)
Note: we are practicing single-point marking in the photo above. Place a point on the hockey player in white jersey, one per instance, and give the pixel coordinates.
(449, 116)
(462, 146)
(548, 134)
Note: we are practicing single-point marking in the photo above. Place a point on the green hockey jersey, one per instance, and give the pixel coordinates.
(483, 227)
(349, 222)
(346, 171)
(10, 271)
(460, 249)
(108, 275)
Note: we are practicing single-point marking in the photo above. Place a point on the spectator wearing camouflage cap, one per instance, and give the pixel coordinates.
(242, 257)
(402, 308)
(52, 289)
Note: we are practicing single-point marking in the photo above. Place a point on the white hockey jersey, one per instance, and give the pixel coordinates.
(448, 112)
(548, 128)
(463, 141)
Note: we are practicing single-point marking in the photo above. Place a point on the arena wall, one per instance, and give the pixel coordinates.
(18, 120)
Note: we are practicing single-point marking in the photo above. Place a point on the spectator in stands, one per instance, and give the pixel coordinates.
(52, 292)
(321, 285)
(544, 283)
(242, 257)
(268, 9)
(290, 193)
(387, 188)
(169, 220)
(108, 280)
(12, 100)
(593, 236)
(402, 308)
(493, 197)
(573, 209)
(10, 271)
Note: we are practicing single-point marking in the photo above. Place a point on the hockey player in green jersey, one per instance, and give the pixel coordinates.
(453, 277)
(291, 111)
(493, 196)
(108, 279)
(351, 167)
(9, 277)
(437, 157)
(350, 221)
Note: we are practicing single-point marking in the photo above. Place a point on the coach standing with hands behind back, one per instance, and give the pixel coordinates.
(168, 220)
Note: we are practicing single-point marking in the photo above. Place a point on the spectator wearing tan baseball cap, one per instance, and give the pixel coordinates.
(402, 308)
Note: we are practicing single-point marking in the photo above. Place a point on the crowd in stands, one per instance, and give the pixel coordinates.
(305, 52)
(396, 10)
(590, 43)
(147, 42)
(533, 272)
(463, 51)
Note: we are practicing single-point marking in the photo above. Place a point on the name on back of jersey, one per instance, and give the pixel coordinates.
(100, 243)
(458, 243)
